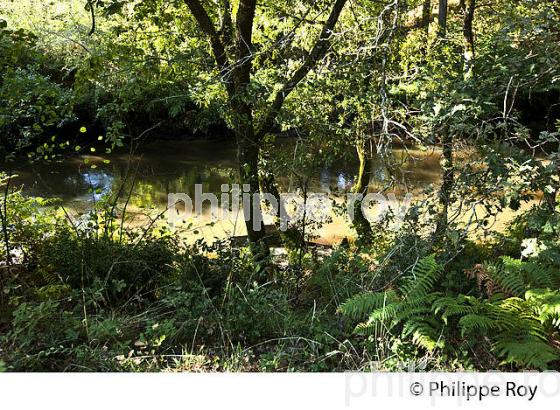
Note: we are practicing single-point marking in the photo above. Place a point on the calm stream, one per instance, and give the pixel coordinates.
(166, 167)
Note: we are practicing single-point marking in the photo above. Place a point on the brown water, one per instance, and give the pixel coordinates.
(164, 167)
(171, 166)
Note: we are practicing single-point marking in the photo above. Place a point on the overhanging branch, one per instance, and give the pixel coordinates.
(317, 52)
(207, 27)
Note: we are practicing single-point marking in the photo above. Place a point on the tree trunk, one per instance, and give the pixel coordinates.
(248, 145)
(248, 158)
(4, 219)
(442, 17)
(426, 15)
(360, 222)
(551, 197)
(446, 189)
(448, 181)
(468, 38)
(551, 200)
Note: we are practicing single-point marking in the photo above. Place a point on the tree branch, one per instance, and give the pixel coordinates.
(244, 29)
(218, 49)
(226, 28)
(318, 52)
(92, 11)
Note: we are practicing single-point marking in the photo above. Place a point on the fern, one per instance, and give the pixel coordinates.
(384, 315)
(537, 275)
(359, 306)
(528, 351)
(475, 323)
(513, 326)
(398, 312)
(514, 276)
(422, 279)
(546, 305)
(51, 278)
(507, 276)
(408, 307)
(453, 306)
(517, 328)
(424, 332)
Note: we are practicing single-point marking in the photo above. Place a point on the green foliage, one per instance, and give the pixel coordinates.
(546, 304)
(516, 333)
(121, 270)
(33, 104)
(41, 333)
(91, 294)
(406, 308)
(27, 221)
(361, 305)
(516, 330)
(89, 299)
(340, 275)
(41, 106)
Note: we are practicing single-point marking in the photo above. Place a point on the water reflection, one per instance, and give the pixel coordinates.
(170, 166)
(99, 182)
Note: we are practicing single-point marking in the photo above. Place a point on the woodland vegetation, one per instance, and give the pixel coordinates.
(478, 82)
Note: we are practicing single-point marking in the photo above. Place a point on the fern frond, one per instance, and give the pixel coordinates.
(507, 275)
(475, 323)
(366, 328)
(515, 318)
(546, 304)
(537, 275)
(514, 276)
(454, 306)
(528, 351)
(422, 279)
(424, 332)
(51, 278)
(359, 306)
(397, 312)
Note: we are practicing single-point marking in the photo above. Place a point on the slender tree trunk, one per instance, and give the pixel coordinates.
(448, 181)
(426, 20)
(442, 17)
(248, 144)
(4, 220)
(360, 222)
(468, 38)
(248, 159)
(551, 197)
(426, 15)
(446, 188)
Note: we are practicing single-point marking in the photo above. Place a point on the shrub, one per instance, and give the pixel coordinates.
(121, 270)
(514, 329)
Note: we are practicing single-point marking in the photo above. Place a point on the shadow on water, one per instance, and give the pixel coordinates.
(170, 166)
(164, 167)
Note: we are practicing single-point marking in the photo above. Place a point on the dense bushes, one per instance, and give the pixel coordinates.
(32, 103)
(506, 313)
(60, 81)
(444, 290)
(75, 298)
(123, 270)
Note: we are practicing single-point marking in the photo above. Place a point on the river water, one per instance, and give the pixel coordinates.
(164, 167)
